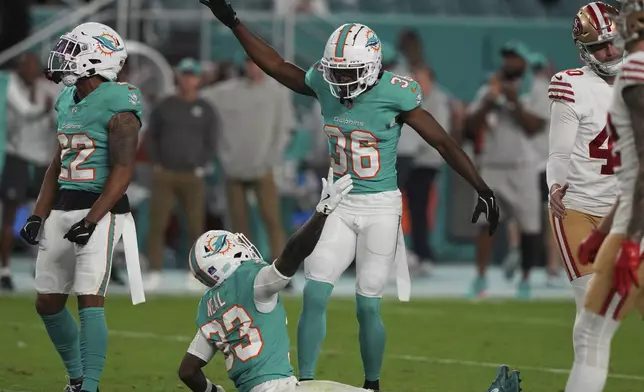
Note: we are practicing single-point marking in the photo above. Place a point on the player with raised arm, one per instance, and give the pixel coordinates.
(614, 290)
(580, 171)
(364, 108)
(82, 199)
(241, 314)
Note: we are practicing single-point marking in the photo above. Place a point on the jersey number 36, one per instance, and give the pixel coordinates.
(357, 151)
(250, 342)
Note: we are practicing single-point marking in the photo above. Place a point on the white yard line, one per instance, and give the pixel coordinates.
(402, 357)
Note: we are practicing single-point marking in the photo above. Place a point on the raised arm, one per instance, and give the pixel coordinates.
(288, 74)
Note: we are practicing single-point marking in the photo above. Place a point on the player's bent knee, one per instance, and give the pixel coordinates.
(50, 304)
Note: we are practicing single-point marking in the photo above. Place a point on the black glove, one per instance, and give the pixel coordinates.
(54, 76)
(29, 231)
(487, 205)
(222, 11)
(80, 232)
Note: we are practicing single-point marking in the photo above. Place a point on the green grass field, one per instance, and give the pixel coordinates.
(432, 345)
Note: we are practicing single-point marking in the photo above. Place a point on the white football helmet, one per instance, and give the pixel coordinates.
(217, 254)
(352, 60)
(89, 49)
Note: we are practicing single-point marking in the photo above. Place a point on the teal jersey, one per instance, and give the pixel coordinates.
(83, 136)
(363, 135)
(255, 345)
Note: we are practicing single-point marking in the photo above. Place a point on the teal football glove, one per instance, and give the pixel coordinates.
(222, 11)
(507, 380)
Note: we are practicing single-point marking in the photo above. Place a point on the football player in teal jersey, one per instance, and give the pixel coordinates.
(364, 109)
(82, 206)
(241, 314)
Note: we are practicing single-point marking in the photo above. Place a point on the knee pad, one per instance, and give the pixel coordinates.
(316, 295)
(592, 336)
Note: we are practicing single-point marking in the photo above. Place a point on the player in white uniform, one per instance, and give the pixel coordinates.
(614, 290)
(580, 171)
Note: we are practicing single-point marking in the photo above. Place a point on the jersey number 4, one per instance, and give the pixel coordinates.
(250, 342)
(82, 146)
(595, 150)
(357, 151)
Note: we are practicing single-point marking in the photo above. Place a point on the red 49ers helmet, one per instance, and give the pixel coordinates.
(593, 25)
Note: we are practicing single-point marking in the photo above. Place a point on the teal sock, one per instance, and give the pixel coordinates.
(93, 345)
(311, 328)
(63, 332)
(371, 336)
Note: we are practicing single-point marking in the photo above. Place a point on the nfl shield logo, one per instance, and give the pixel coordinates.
(74, 110)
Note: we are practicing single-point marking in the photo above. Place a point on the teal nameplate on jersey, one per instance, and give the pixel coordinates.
(363, 135)
(256, 345)
(83, 133)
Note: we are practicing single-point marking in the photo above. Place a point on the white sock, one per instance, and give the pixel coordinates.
(592, 337)
(579, 288)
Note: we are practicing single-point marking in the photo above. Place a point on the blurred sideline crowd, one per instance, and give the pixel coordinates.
(213, 154)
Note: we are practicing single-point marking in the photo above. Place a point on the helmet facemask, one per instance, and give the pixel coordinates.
(89, 49)
(348, 80)
(63, 62)
(607, 68)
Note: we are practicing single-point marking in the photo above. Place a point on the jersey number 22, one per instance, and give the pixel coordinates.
(82, 146)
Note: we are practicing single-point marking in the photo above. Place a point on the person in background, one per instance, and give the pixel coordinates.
(543, 71)
(28, 149)
(181, 146)
(509, 162)
(257, 118)
(423, 170)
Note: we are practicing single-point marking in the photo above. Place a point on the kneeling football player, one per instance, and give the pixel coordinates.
(242, 315)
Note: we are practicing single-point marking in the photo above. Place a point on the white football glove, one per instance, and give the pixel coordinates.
(332, 192)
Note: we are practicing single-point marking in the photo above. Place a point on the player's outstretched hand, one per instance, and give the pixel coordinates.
(488, 206)
(29, 231)
(80, 232)
(557, 193)
(625, 271)
(222, 11)
(333, 192)
(590, 246)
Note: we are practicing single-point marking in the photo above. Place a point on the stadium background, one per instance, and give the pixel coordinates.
(461, 39)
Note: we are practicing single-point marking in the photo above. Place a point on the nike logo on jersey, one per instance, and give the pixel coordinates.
(413, 89)
(559, 77)
(326, 197)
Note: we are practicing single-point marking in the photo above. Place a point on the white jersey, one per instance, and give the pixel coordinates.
(579, 141)
(619, 124)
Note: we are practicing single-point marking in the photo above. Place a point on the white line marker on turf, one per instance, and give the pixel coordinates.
(402, 357)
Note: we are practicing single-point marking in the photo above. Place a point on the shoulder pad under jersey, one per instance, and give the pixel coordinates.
(565, 86)
(632, 71)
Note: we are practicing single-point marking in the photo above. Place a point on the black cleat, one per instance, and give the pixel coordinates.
(74, 386)
(6, 283)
